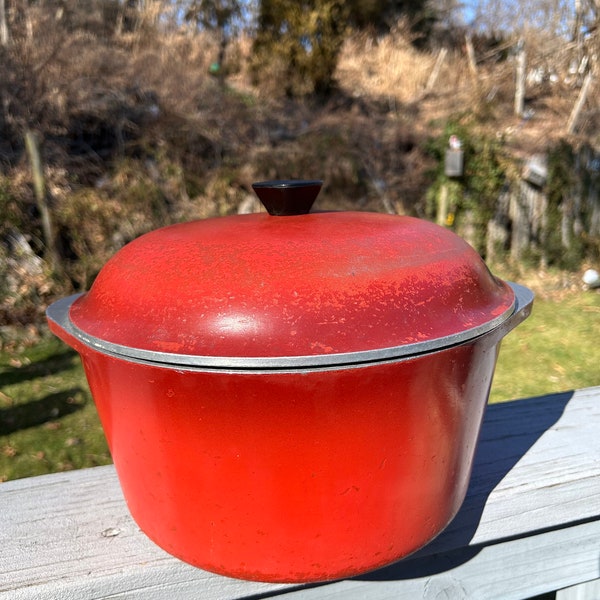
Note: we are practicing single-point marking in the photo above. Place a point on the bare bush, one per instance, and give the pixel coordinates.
(137, 133)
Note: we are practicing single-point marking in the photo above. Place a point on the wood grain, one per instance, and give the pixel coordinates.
(530, 524)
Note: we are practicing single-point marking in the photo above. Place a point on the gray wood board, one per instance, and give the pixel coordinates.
(535, 485)
(510, 570)
(590, 590)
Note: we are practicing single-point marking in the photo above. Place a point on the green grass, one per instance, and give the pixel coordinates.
(48, 421)
(556, 349)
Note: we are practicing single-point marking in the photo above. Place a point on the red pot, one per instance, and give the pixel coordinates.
(292, 398)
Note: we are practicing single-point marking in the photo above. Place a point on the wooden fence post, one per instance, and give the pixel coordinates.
(520, 79)
(593, 207)
(520, 230)
(442, 209)
(4, 35)
(471, 57)
(39, 187)
(497, 233)
(574, 117)
(435, 73)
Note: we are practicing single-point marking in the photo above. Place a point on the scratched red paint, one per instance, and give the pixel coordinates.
(260, 286)
(302, 474)
(298, 476)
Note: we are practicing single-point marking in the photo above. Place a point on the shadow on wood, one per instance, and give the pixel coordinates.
(503, 443)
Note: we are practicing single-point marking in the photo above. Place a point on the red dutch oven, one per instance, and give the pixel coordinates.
(292, 396)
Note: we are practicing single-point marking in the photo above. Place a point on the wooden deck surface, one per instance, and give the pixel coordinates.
(530, 524)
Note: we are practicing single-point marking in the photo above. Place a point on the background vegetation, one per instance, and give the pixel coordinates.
(120, 117)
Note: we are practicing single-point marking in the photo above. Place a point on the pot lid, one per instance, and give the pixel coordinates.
(288, 289)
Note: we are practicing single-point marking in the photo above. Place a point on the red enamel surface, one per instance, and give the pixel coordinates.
(258, 285)
(293, 477)
(306, 474)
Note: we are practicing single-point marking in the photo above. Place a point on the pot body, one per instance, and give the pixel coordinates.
(306, 475)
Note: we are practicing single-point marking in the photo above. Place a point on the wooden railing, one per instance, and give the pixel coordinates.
(530, 524)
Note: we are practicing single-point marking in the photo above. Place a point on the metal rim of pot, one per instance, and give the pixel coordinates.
(498, 327)
(288, 198)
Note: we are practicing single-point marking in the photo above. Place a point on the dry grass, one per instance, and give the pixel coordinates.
(138, 134)
(386, 68)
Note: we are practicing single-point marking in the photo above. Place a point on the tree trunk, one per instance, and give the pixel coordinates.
(520, 79)
(39, 186)
(577, 33)
(223, 41)
(575, 113)
(435, 73)
(131, 16)
(4, 35)
(471, 58)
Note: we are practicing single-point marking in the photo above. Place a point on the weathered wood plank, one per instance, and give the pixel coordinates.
(71, 536)
(590, 590)
(535, 494)
(510, 570)
(537, 466)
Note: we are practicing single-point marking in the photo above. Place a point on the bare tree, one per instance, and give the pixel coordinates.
(515, 18)
(220, 17)
(586, 22)
(4, 36)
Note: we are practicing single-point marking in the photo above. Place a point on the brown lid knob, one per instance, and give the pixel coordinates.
(287, 197)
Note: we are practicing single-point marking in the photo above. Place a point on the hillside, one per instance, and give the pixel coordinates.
(135, 133)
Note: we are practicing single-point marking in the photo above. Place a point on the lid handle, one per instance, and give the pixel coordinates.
(287, 197)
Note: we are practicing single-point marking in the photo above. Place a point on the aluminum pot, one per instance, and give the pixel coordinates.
(292, 396)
